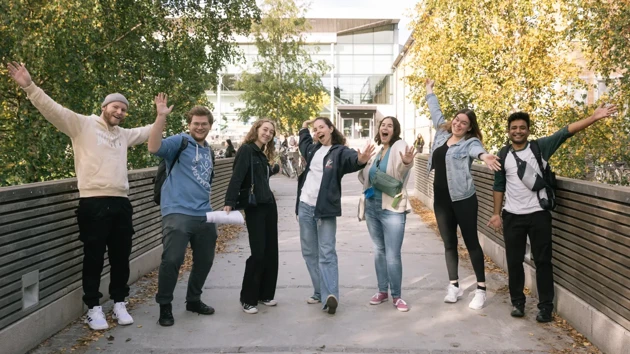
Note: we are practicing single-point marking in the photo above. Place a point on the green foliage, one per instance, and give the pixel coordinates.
(501, 56)
(494, 56)
(285, 84)
(78, 51)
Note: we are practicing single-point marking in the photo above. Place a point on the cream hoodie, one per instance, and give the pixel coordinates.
(395, 168)
(100, 151)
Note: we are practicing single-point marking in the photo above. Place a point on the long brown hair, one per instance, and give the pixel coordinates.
(336, 138)
(270, 148)
(474, 126)
(395, 135)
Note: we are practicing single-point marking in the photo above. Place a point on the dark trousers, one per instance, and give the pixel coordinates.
(105, 223)
(516, 228)
(177, 231)
(261, 268)
(448, 215)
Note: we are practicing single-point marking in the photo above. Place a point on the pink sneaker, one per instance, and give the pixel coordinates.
(401, 305)
(378, 298)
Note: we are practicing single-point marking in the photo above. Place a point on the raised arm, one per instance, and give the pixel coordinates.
(62, 118)
(434, 106)
(306, 139)
(155, 134)
(549, 144)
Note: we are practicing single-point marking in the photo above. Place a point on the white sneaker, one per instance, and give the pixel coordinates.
(249, 308)
(453, 293)
(95, 318)
(121, 314)
(271, 302)
(479, 300)
(313, 300)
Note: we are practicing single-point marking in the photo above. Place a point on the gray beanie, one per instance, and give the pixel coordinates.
(115, 97)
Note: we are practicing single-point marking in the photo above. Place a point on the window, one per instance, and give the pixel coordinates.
(363, 49)
(384, 34)
(383, 64)
(344, 64)
(363, 64)
(383, 49)
(347, 38)
(366, 36)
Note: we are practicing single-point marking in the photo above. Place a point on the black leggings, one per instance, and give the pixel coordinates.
(449, 214)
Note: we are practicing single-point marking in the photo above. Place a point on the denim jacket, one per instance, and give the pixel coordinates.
(459, 156)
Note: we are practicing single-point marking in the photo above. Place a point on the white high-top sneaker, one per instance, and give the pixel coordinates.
(453, 293)
(121, 314)
(96, 318)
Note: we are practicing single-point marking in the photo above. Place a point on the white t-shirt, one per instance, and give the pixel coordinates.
(310, 189)
(518, 198)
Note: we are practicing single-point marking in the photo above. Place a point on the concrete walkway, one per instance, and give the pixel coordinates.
(431, 326)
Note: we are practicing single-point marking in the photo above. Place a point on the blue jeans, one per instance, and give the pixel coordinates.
(318, 239)
(387, 229)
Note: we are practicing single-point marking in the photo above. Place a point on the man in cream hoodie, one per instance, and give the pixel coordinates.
(105, 213)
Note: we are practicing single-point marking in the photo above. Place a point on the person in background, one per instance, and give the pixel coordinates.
(230, 151)
(419, 143)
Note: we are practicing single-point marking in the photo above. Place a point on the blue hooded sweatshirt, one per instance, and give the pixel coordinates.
(187, 190)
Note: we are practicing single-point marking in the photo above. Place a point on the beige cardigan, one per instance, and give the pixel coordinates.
(395, 168)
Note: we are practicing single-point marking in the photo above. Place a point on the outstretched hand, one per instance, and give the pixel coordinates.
(364, 156)
(410, 153)
(161, 104)
(492, 161)
(19, 74)
(604, 110)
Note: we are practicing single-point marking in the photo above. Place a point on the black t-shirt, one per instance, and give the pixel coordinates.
(439, 164)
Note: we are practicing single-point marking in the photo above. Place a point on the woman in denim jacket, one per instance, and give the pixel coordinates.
(455, 146)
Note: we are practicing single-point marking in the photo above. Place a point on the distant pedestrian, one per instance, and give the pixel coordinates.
(230, 151)
(419, 143)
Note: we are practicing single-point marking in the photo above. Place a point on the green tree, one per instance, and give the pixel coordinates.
(285, 84)
(494, 57)
(78, 51)
(600, 31)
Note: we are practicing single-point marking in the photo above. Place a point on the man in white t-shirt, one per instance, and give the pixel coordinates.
(523, 216)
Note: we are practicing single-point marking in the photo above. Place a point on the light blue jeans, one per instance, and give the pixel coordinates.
(387, 229)
(318, 239)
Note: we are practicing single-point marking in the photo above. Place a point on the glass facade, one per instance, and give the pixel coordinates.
(362, 61)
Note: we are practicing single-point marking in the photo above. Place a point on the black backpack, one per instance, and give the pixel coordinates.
(549, 176)
(161, 174)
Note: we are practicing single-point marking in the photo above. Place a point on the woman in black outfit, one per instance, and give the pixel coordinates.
(261, 268)
(230, 151)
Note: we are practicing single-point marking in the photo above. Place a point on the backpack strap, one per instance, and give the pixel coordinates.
(538, 154)
(182, 147)
(503, 154)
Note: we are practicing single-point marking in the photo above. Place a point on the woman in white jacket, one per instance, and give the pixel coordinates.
(386, 214)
